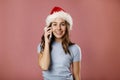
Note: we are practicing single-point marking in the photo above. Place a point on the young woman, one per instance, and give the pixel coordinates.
(59, 58)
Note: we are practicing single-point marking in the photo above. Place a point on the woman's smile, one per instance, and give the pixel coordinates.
(58, 32)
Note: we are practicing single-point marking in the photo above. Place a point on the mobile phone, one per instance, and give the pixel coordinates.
(50, 36)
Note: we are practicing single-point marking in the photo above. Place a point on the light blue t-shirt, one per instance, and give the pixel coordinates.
(60, 62)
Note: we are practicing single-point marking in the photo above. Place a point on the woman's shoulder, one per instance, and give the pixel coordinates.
(75, 47)
(75, 52)
(39, 48)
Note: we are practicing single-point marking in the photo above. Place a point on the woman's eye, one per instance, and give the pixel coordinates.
(63, 24)
(54, 24)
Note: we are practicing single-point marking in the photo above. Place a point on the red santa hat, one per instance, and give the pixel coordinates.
(58, 12)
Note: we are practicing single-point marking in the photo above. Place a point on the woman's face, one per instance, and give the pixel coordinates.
(58, 28)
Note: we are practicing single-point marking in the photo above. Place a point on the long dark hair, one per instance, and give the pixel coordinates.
(66, 42)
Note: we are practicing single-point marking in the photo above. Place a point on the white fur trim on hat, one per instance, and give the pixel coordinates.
(60, 14)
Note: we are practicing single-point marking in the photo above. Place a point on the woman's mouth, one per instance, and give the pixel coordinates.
(58, 32)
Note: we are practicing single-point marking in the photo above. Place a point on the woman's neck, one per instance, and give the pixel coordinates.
(58, 40)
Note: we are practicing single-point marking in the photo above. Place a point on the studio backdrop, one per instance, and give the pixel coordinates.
(96, 29)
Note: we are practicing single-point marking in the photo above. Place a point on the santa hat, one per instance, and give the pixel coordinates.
(58, 12)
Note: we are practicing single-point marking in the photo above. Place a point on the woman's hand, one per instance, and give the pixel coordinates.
(48, 32)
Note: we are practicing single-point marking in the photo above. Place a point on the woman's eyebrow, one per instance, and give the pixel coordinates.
(62, 22)
(54, 22)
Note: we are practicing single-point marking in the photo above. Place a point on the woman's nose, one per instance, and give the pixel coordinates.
(58, 26)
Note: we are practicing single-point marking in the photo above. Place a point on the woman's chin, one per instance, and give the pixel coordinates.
(58, 36)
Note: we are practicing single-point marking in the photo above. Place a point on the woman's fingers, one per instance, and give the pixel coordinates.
(47, 29)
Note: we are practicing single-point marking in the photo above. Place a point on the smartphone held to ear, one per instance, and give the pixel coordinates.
(49, 36)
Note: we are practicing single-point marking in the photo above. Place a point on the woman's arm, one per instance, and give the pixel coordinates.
(44, 57)
(76, 70)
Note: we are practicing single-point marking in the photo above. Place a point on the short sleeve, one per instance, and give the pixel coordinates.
(38, 48)
(77, 54)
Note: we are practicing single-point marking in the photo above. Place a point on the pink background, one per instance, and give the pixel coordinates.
(96, 29)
